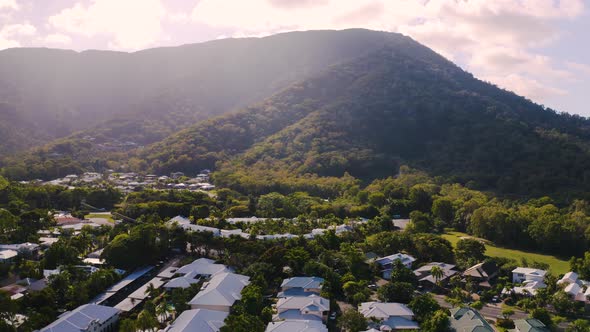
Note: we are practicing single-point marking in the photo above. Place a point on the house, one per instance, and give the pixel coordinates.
(520, 274)
(389, 316)
(468, 320)
(26, 248)
(8, 255)
(202, 267)
(529, 325)
(425, 277)
(201, 320)
(528, 288)
(301, 286)
(221, 292)
(311, 307)
(181, 282)
(85, 318)
(574, 287)
(290, 325)
(386, 263)
(482, 273)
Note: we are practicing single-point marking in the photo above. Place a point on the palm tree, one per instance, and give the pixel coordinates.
(146, 322)
(438, 273)
(152, 291)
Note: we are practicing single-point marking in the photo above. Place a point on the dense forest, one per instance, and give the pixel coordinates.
(396, 104)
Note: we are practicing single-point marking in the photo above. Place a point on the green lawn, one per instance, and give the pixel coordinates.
(558, 266)
(100, 216)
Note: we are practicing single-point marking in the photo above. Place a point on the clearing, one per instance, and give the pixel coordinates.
(558, 266)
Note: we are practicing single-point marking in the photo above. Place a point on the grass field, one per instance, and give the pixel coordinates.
(558, 266)
(100, 216)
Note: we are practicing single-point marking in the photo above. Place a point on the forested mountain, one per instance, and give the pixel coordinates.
(396, 102)
(141, 97)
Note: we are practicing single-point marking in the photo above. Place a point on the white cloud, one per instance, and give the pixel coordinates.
(10, 34)
(528, 87)
(58, 38)
(578, 67)
(132, 24)
(9, 4)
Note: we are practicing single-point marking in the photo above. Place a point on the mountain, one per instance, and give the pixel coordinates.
(121, 100)
(400, 105)
(397, 103)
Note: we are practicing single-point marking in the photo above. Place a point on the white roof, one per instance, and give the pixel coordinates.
(311, 303)
(201, 320)
(391, 258)
(384, 310)
(181, 282)
(530, 271)
(202, 266)
(80, 318)
(573, 289)
(569, 277)
(8, 254)
(223, 289)
(296, 326)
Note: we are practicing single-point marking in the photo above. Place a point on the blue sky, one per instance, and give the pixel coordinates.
(537, 48)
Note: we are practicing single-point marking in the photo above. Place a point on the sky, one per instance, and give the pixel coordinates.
(538, 48)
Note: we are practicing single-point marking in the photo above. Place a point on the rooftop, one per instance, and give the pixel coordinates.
(384, 310)
(201, 320)
(80, 318)
(296, 326)
(223, 289)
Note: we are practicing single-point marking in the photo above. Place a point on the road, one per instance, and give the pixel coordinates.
(489, 311)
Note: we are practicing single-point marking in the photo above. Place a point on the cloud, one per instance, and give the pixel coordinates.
(528, 87)
(10, 34)
(58, 38)
(9, 4)
(132, 24)
(578, 67)
(288, 4)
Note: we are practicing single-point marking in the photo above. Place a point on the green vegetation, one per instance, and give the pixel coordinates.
(558, 266)
(107, 217)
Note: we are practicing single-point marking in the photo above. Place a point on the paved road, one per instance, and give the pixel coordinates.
(489, 311)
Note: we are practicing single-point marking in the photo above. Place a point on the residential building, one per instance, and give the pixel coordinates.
(482, 273)
(185, 281)
(201, 320)
(529, 325)
(27, 248)
(389, 316)
(202, 268)
(468, 320)
(520, 274)
(296, 326)
(386, 263)
(311, 307)
(221, 292)
(8, 255)
(85, 318)
(528, 288)
(425, 277)
(301, 286)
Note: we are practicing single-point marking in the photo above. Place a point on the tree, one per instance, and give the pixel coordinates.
(543, 315)
(437, 273)
(352, 321)
(400, 273)
(579, 325)
(423, 306)
(127, 325)
(562, 303)
(146, 321)
(443, 209)
(242, 322)
(396, 292)
(507, 312)
(439, 322)
(470, 251)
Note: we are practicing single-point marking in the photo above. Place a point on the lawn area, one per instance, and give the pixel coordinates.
(558, 266)
(106, 216)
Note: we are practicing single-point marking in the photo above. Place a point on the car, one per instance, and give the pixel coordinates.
(372, 286)
(333, 316)
(495, 299)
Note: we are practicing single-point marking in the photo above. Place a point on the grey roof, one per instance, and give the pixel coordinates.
(181, 282)
(400, 323)
(384, 310)
(296, 326)
(80, 318)
(468, 320)
(529, 325)
(303, 282)
(202, 266)
(404, 258)
(201, 320)
(223, 289)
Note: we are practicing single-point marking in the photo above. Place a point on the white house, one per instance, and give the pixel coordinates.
(296, 326)
(202, 267)
(301, 286)
(574, 287)
(221, 292)
(520, 274)
(387, 263)
(201, 320)
(7, 255)
(185, 281)
(395, 316)
(85, 318)
(311, 307)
